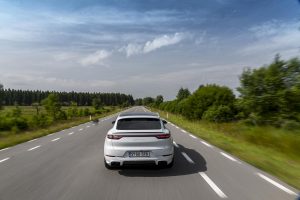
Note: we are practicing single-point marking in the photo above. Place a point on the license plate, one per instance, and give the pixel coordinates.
(139, 154)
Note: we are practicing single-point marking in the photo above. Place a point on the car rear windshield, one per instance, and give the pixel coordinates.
(138, 124)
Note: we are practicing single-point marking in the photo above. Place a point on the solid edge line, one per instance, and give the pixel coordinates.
(5, 149)
(187, 158)
(276, 184)
(213, 185)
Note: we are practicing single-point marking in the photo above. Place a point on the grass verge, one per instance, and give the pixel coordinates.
(278, 161)
(11, 139)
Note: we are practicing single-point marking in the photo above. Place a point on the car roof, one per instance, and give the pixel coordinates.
(146, 114)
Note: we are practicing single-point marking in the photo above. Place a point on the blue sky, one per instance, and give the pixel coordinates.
(144, 48)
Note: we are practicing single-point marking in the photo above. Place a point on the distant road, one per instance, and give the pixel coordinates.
(68, 165)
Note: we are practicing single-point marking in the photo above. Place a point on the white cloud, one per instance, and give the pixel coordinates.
(132, 49)
(162, 41)
(275, 37)
(152, 45)
(95, 58)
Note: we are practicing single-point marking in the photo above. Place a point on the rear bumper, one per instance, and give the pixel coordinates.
(143, 161)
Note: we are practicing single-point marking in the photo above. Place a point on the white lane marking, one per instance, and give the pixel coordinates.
(206, 144)
(71, 133)
(93, 124)
(213, 185)
(183, 131)
(5, 159)
(276, 184)
(50, 134)
(55, 139)
(175, 144)
(4, 149)
(80, 129)
(32, 140)
(87, 126)
(193, 136)
(229, 157)
(187, 157)
(33, 148)
(177, 127)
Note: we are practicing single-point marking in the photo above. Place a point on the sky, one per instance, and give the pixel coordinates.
(143, 48)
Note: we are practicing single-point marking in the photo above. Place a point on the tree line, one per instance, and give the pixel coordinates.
(269, 95)
(48, 107)
(28, 97)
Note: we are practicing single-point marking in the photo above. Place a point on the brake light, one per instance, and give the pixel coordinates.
(163, 136)
(114, 137)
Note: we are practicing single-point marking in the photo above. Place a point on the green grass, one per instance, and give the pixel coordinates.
(273, 150)
(9, 138)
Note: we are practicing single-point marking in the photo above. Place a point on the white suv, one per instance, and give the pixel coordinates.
(138, 138)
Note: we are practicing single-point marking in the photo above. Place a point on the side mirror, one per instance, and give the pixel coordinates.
(164, 121)
(113, 122)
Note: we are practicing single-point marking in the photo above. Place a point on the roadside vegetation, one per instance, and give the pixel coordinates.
(21, 123)
(260, 126)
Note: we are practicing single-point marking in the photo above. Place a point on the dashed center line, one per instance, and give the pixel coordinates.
(71, 133)
(206, 144)
(88, 126)
(80, 129)
(187, 158)
(33, 148)
(229, 157)
(55, 139)
(5, 159)
(175, 144)
(193, 136)
(213, 185)
(276, 184)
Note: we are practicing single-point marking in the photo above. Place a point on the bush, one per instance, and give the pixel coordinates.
(40, 120)
(290, 125)
(218, 114)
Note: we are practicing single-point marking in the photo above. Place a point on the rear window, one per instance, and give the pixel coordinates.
(138, 124)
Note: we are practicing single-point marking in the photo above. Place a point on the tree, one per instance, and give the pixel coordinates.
(52, 105)
(205, 97)
(36, 105)
(183, 93)
(159, 99)
(97, 103)
(1, 95)
(148, 100)
(272, 93)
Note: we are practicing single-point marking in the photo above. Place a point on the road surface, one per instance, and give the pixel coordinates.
(68, 165)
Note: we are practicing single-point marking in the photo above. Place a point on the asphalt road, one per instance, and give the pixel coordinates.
(69, 165)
